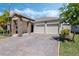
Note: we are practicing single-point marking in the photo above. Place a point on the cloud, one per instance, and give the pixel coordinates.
(36, 14)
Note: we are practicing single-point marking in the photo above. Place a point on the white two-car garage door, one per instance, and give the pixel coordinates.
(46, 28)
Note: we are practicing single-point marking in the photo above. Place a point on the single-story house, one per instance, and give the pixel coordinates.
(21, 24)
(65, 26)
(47, 25)
(74, 28)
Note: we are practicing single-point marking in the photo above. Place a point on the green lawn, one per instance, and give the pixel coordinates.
(70, 48)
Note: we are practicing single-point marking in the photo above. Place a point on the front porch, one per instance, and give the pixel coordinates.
(20, 25)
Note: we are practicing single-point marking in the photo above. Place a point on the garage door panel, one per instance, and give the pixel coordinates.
(52, 29)
(39, 28)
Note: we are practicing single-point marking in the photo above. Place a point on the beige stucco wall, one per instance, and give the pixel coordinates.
(23, 25)
(13, 25)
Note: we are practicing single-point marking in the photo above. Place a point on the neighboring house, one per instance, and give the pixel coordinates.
(64, 26)
(21, 24)
(46, 25)
(68, 26)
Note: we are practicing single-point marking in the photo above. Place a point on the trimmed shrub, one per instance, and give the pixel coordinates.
(65, 32)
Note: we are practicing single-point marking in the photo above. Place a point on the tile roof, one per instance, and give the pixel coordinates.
(13, 14)
(47, 19)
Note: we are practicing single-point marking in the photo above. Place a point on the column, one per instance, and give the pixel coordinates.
(25, 26)
(29, 28)
(13, 28)
(19, 29)
(45, 27)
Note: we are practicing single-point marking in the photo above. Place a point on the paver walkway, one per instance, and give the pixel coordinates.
(29, 45)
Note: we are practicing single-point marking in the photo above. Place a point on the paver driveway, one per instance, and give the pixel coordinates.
(29, 45)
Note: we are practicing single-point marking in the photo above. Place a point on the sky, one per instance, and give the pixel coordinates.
(33, 10)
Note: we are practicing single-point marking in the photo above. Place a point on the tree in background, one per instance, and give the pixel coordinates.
(4, 19)
(69, 13)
